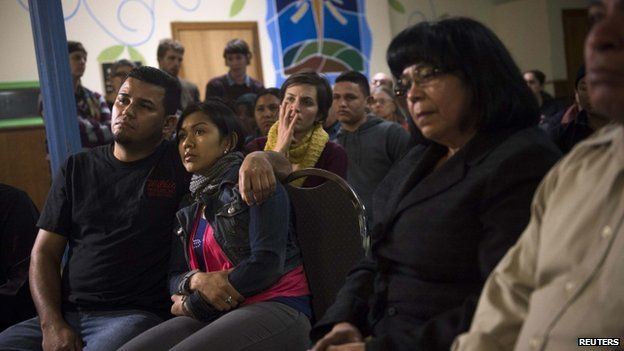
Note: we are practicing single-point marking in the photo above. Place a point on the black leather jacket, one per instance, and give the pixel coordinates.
(258, 240)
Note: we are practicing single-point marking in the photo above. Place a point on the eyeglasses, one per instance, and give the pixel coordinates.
(419, 75)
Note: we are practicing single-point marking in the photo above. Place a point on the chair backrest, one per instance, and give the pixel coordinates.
(330, 221)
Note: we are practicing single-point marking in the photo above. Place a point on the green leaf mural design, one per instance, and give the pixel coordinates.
(110, 54)
(135, 55)
(352, 58)
(397, 6)
(330, 48)
(308, 49)
(237, 6)
(289, 56)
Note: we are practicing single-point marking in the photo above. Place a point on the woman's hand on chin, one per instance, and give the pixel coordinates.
(285, 128)
(344, 336)
(215, 288)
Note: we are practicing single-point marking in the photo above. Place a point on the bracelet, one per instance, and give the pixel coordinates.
(184, 287)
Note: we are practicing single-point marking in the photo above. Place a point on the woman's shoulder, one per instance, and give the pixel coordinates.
(529, 141)
(334, 159)
(527, 153)
(333, 147)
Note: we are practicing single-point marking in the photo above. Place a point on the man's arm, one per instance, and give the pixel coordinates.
(256, 177)
(45, 286)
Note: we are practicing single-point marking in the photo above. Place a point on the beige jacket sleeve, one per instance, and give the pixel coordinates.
(504, 302)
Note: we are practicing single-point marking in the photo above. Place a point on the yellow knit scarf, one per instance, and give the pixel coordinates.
(307, 151)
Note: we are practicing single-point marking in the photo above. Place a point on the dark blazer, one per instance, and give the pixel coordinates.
(436, 237)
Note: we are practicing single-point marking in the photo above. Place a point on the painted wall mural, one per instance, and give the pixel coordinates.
(327, 36)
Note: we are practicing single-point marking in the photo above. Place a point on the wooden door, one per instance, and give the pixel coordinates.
(575, 29)
(24, 162)
(203, 49)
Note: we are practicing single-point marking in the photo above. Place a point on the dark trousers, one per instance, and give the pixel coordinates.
(260, 326)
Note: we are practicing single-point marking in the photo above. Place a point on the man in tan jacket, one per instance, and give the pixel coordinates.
(561, 286)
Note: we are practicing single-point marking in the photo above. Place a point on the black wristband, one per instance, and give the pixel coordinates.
(184, 287)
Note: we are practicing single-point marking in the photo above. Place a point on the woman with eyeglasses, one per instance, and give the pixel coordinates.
(448, 212)
(383, 103)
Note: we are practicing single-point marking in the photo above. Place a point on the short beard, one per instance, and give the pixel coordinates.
(132, 145)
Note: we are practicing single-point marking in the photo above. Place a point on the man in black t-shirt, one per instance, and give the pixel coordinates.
(113, 208)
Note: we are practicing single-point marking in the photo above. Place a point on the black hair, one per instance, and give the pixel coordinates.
(237, 46)
(121, 63)
(539, 75)
(169, 44)
(466, 48)
(268, 91)
(357, 78)
(221, 115)
(75, 46)
(323, 90)
(158, 77)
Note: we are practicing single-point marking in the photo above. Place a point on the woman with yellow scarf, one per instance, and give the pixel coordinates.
(298, 133)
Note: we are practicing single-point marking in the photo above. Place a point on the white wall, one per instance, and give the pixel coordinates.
(531, 29)
(419, 10)
(524, 28)
(96, 24)
(16, 44)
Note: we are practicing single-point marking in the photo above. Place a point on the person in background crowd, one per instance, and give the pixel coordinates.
(266, 110)
(18, 230)
(548, 106)
(170, 55)
(299, 134)
(332, 125)
(448, 211)
(244, 107)
(373, 145)
(563, 281)
(381, 80)
(237, 279)
(586, 122)
(236, 82)
(118, 73)
(384, 103)
(94, 116)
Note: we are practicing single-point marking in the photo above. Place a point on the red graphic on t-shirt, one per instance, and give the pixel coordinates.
(161, 188)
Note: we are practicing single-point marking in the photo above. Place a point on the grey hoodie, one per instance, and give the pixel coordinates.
(372, 150)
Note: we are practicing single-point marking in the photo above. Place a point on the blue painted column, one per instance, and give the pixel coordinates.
(57, 92)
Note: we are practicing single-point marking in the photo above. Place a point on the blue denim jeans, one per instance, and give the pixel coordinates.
(99, 330)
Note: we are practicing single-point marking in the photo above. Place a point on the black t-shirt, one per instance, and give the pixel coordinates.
(118, 218)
